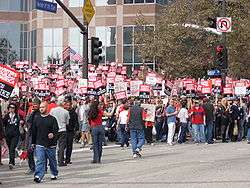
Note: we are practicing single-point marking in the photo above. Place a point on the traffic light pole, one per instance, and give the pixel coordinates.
(84, 31)
(224, 41)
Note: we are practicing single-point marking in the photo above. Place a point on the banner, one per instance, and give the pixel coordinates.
(8, 79)
(144, 91)
(121, 95)
(135, 87)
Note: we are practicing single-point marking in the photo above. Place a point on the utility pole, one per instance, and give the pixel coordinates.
(84, 31)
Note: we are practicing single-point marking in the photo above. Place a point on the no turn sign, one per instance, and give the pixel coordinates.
(224, 24)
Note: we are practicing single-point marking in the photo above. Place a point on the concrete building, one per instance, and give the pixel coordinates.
(30, 34)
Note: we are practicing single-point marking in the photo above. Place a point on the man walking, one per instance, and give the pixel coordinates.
(209, 126)
(62, 117)
(136, 116)
(30, 121)
(44, 133)
(70, 130)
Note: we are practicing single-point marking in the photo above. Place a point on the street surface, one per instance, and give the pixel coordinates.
(187, 165)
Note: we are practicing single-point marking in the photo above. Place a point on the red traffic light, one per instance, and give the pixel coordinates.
(219, 49)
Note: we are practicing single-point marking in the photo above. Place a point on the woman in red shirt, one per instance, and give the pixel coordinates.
(197, 114)
(96, 113)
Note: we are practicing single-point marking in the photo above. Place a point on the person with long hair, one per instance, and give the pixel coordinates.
(224, 118)
(95, 115)
(11, 122)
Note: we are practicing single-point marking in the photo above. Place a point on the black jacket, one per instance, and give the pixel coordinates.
(30, 120)
(41, 128)
(73, 121)
(11, 128)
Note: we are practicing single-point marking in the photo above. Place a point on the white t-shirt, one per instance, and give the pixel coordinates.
(183, 115)
(123, 116)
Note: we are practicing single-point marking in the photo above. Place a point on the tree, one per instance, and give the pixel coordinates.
(186, 51)
(7, 55)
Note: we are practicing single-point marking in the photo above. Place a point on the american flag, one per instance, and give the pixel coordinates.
(75, 56)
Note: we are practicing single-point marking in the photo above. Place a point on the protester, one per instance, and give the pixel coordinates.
(171, 113)
(11, 122)
(209, 126)
(83, 110)
(197, 115)
(224, 113)
(235, 114)
(136, 117)
(30, 121)
(44, 140)
(123, 127)
(183, 117)
(70, 130)
(62, 117)
(248, 125)
(95, 115)
(159, 118)
(1, 136)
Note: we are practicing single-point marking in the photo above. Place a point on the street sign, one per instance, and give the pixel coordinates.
(213, 73)
(88, 11)
(224, 24)
(46, 6)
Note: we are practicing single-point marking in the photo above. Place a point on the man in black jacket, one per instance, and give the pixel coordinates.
(70, 130)
(44, 133)
(30, 121)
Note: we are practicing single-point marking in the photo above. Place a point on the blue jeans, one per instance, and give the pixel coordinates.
(124, 135)
(199, 135)
(97, 139)
(248, 134)
(159, 130)
(183, 132)
(42, 154)
(209, 131)
(137, 139)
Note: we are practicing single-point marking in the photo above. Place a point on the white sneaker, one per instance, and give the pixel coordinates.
(135, 156)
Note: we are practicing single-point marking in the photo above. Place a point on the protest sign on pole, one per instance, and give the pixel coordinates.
(150, 112)
(135, 87)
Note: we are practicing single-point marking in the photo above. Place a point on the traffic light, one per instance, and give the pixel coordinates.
(96, 51)
(221, 57)
(212, 22)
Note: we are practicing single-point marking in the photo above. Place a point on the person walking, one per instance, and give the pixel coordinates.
(44, 140)
(197, 115)
(95, 115)
(30, 121)
(70, 130)
(209, 126)
(136, 116)
(171, 114)
(62, 117)
(183, 117)
(122, 123)
(11, 122)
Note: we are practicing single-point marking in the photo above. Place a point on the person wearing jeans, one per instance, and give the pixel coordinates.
(44, 140)
(136, 116)
(197, 115)
(96, 113)
(171, 114)
(183, 117)
(209, 126)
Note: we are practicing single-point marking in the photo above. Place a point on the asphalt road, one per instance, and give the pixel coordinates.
(187, 165)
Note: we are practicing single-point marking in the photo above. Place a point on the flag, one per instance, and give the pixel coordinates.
(66, 53)
(74, 56)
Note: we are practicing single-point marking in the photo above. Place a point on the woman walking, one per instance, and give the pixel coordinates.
(96, 113)
(11, 123)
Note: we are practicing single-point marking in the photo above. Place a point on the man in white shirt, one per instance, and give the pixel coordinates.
(62, 117)
(122, 123)
(183, 117)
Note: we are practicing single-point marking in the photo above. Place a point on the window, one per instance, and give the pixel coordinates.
(105, 2)
(138, 1)
(130, 52)
(108, 37)
(75, 39)
(52, 43)
(76, 3)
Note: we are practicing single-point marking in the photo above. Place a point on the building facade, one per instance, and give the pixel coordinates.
(33, 35)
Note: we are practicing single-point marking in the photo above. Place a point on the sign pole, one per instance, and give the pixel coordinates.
(224, 40)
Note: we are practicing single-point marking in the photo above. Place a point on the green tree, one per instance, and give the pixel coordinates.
(7, 55)
(181, 50)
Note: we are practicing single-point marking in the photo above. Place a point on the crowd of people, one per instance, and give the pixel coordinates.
(43, 127)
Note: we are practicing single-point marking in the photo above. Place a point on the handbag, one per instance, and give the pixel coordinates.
(154, 131)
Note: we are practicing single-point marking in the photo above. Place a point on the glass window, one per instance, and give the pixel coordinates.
(4, 5)
(47, 52)
(128, 54)
(110, 54)
(128, 1)
(150, 1)
(25, 39)
(33, 38)
(137, 58)
(139, 1)
(127, 35)
(101, 34)
(57, 35)
(47, 37)
(105, 2)
(111, 36)
(76, 3)
(33, 54)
